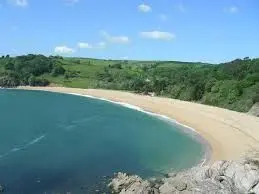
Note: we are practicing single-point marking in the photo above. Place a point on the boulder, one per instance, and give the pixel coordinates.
(125, 184)
(245, 176)
(180, 186)
(254, 110)
(167, 188)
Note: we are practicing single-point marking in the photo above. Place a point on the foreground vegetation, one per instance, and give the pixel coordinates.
(233, 85)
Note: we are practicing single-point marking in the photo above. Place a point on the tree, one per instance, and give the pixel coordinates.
(9, 66)
(159, 84)
(58, 70)
(116, 66)
(34, 81)
(6, 81)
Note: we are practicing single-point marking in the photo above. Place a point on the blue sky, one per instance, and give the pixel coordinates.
(187, 30)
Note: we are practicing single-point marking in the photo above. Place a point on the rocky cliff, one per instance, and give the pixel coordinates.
(222, 177)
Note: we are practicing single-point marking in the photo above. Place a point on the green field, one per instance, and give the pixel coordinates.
(233, 85)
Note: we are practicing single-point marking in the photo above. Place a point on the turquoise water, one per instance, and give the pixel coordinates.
(57, 143)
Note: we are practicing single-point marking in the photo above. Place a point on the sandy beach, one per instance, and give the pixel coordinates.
(230, 134)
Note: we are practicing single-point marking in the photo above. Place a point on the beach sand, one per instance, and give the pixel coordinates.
(230, 134)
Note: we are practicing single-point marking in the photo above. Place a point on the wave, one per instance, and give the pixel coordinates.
(16, 149)
(36, 140)
(130, 106)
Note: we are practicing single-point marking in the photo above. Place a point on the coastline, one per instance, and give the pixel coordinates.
(184, 129)
(225, 134)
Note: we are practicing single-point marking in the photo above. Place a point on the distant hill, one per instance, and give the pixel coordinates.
(233, 85)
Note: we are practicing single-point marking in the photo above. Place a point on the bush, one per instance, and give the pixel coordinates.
(58, 70)
(116, 66)
(256, 99)
(9, 66)
(71, 74)
(33, 81)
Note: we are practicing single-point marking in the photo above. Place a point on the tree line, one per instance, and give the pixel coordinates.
(233, 85)
(27, 69)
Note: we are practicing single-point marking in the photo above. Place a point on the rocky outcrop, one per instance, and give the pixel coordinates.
(254, 110)
(130, 184)
(222, 177)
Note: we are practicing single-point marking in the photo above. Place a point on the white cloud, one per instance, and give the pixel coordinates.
(84, 45)
(144, 8)
(125, 58)
(158, 35)
(71, 2)
(20, 3)
(232, 9)
(119, 39)
(115, 39)
(163, 17)
(64, 50)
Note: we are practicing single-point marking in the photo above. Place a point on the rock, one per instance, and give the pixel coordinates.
(254, 110)
(167, 188)
(255, 189)
(171, 174)
(156, 186)
(125, 184)
(180, 186)
(123, 181)
(209, 173)
(222, 177)
(138, 187)
(243, 175)
(155, 191)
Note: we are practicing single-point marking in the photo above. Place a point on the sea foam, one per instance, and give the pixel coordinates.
(16, 149)
(36, 140)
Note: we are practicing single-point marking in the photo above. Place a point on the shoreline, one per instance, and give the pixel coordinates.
(187, 130)
(226, 134)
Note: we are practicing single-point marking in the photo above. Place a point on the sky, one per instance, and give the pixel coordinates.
(186, 30)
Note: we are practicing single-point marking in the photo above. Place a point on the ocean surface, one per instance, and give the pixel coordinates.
(58, 143)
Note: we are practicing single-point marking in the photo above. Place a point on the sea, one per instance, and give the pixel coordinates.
(60, 143)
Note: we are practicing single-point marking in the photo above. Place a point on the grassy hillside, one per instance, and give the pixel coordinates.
(233, 85)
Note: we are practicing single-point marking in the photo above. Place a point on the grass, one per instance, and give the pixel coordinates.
(89, 68)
